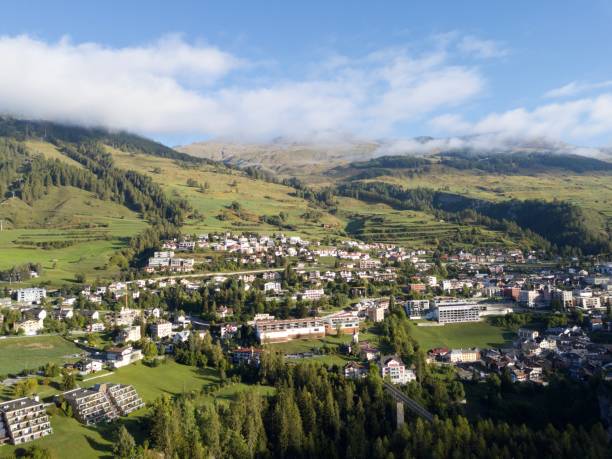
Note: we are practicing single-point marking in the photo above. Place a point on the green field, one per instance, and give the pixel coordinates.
(478, 334)
(94, 229)
(70, 439)
(169, 378)
(19, 353)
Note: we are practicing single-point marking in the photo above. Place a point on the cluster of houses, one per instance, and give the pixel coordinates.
(391, 367)
(357, 260)
(533, 356)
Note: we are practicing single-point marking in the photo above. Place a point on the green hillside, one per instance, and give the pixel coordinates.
(87, 231)
(86, 201)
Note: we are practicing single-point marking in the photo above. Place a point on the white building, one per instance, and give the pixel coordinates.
(528, 298)
(161, 330)
(313, 294)
(271, 331)
(456, 311)
(274, 287)
(130, 334)
(395, 370)
(376, 314)
(31, 295)
(588, 302)
(464, 355)
(30, 327)
(118, 357)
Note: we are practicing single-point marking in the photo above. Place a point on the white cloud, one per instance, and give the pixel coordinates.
(485, 49)
(171, 87)
(576, 120)
(575, 87)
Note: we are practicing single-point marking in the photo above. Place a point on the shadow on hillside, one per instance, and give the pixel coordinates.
(508, 337)
(100, 447)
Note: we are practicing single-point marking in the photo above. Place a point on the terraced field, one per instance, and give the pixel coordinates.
(413, 229)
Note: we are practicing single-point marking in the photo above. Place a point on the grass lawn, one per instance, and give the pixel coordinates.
(24, 352)
(477, 334)
(169, 378)
(72, 440)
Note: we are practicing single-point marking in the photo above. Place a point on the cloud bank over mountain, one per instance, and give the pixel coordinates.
(172, 87)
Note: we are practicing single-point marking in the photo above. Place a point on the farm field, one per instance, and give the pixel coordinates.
(20, 353)
(50, 151)
(477, 334)
(92, 230)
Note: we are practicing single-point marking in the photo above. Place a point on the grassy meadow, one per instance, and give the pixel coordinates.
(94, 230)
(477, 334)
(18, 353)
(257, 198)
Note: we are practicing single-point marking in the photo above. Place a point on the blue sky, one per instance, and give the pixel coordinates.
(181, 71)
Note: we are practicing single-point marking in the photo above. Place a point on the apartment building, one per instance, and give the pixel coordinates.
(161, 330)
(312, 294)
(123, 396)
(566, 297)
(416, 309)
(376, 314)
(130, 334)
(90, 406)
(103, 402)
(23, 420)
(456, 311)
(271, 331)
(588, 302)
(343, 322)
(528, 298)
(30, 295)
(118, 357)
(30, 327)
(464, 355)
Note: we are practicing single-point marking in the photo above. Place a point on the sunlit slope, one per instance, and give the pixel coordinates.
(68, 231)
(211, 190)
